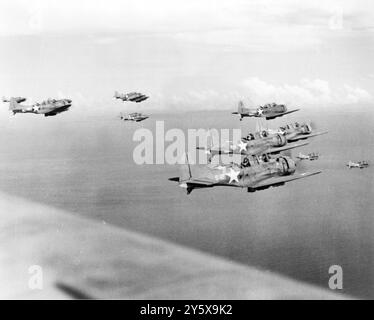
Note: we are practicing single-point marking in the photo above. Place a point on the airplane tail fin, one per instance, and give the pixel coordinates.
(13, 104)
(185, 170)
(210, 144)
(241, 107)
(116, 95)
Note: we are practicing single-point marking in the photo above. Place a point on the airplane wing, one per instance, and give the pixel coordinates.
(200, 182)
(288, 146)
(274, 181)
(291, 111)
(56, 111)
(215, 151)
(270, 117)
(306, 136)
(86, 258)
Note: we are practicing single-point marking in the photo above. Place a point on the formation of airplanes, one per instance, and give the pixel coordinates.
(132, 97)
(262, 164)
(52, 107)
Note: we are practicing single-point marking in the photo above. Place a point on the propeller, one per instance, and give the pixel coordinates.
(300, 164)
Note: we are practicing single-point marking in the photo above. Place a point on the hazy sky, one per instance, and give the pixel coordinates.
(189, 54)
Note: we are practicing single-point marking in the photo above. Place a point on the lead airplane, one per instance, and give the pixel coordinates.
(253, 174)
(49, 107)
(268, 111)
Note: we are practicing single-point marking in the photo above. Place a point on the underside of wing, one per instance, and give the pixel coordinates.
(276, 181)
(273, 116)
(287, 147)
(56, 111)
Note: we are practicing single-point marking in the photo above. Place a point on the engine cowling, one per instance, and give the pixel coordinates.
(286, 166)
(279, 140)
(305, 129)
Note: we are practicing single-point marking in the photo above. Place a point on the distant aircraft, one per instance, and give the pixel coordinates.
(268, 111)
(132, 96)
(296, 131)
(252, 174)
(310, 156)
(17, 99)
(136, 116)
(50, 107)
(359, 164)
(274, 144)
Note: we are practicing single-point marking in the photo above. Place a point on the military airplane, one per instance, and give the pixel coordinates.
(310, 156)
(359, 164)
(296, 131)
(252, 174)
(268, 111)
(136, 116)
(49, 107)
(274, 144)
(17, 99)
(132, 96)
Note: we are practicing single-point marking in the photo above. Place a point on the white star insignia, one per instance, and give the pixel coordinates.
(259, 112)
(243, 146)
(233, 175)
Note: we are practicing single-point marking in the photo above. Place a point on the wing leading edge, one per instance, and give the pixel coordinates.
(281, 180)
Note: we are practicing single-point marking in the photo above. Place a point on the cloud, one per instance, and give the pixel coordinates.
(253, 90)
(308, 91)
(255, 24)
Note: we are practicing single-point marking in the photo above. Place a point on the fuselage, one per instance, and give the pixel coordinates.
(273, 140)
(294, 130)
(268, 111)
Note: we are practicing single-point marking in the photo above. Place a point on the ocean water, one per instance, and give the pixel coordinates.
(85, 166)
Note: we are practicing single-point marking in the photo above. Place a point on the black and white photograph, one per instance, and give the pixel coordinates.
(186, 150)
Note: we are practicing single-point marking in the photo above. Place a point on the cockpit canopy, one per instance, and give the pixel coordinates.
(250, 161)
